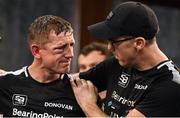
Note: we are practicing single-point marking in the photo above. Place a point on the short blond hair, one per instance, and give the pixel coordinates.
(39, 30)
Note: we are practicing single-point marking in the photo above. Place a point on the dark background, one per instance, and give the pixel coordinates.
(16, 16)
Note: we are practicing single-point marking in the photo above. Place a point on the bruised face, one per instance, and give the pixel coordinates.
(85, 62)
(57, 52)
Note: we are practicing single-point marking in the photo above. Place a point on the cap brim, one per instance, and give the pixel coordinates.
(102, 31)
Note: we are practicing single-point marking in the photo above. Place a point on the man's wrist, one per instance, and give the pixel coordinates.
(92, 110)
(89, 106)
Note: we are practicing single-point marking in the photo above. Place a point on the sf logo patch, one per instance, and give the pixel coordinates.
(123, 80)
(19, 99)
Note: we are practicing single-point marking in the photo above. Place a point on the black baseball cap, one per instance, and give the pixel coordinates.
(127, 19)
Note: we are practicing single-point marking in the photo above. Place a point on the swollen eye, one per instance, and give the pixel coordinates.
(63, 47)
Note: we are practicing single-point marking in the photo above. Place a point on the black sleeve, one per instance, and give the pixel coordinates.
(1, 102)
(99, 75)
(1, 87)
(160, 101)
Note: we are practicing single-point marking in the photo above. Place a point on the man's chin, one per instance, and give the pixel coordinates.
(67, 70)
(63, 71)
(125, 65)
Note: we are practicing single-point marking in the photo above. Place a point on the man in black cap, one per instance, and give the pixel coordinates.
(141, 81)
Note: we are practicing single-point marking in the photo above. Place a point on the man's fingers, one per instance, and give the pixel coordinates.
(78, 82)
(92, 85)
(75, 80)
(84, 82)
(73, 76)
(89, 83)
(81, 82)
(73, 84)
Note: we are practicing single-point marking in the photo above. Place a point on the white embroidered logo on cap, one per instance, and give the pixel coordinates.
(110, 15)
